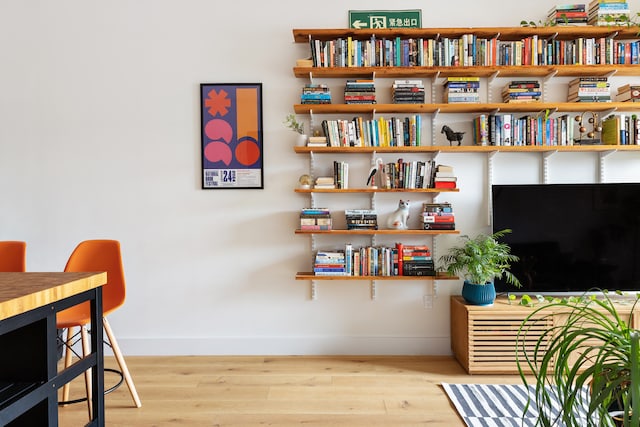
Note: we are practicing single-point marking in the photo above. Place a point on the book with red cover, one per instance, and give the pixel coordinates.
(444, 184)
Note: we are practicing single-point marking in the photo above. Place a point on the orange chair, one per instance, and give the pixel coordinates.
(96, 255)
(13, 256)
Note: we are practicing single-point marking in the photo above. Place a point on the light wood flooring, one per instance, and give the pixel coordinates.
(283, 391)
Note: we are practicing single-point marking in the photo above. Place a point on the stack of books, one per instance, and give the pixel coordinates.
(315, 94)
(609, 12)
(359, 92)
(438, 216)
(444, 177)
(408, 92)
(415, 260)
(315, 219)
(361, 219)
(325, 182)
(589, 89)
(317, 141)
(462, 89)
(568, 14)
(330, 263)
(340, 174)
(521, 91)
(628, 93)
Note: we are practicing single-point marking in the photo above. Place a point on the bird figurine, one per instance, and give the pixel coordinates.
(371, 180)
(452, 135)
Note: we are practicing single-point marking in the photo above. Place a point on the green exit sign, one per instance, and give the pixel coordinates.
(374, 19)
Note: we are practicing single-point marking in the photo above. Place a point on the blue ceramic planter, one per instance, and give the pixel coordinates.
(478, 294)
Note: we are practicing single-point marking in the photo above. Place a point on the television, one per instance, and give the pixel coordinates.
(570, 238)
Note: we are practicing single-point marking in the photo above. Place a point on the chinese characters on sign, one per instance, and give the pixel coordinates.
(375, 19)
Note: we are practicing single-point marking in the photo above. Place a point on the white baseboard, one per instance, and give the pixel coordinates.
(285, 346)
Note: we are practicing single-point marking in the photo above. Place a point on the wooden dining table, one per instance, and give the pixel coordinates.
(29, 375)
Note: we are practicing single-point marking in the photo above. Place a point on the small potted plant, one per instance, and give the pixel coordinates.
(480, 260)
(292, 123)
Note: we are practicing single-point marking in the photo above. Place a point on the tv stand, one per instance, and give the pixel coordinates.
(483, 339)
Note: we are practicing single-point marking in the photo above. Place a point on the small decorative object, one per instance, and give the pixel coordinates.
(481, 260)
(371, 179)
(398, 218)
(596, 127)
(452, 135)
(305, 181)
(292, 123)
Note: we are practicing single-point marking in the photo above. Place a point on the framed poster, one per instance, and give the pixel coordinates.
(232, 155)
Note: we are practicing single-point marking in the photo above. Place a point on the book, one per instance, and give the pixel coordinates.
(610, 134)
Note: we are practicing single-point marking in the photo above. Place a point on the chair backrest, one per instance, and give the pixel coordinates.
(102, 255)
(13, 256)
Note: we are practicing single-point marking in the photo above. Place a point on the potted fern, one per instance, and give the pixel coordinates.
(480, 260)
(586, 368)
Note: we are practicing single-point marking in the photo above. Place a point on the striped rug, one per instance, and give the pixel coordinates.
(495, 405)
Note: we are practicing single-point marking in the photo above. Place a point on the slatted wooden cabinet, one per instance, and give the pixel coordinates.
(483, 339)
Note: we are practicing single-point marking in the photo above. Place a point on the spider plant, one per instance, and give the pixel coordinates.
(589, 362)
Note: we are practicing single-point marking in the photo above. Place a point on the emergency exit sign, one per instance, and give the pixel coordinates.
(374, 19)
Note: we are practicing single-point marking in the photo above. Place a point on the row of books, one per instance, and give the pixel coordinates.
(341, 174)
(438, 216)
(506, 129)
(589, 89)
(409, 175)
(621, 129)
(470, 50)
(380, 132)
(397, 260)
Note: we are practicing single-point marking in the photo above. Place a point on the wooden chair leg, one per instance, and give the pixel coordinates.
(123, 365)
(86, 350)
(68, 355)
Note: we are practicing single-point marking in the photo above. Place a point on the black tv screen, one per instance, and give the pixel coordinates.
(571, 238)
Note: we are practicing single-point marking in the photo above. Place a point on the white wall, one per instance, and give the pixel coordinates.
(99, 138)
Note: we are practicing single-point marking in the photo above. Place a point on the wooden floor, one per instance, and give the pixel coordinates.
(283, 391)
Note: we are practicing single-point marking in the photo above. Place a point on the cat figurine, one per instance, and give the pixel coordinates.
(398, 218)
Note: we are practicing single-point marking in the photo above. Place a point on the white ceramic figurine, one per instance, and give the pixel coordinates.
(398, 218)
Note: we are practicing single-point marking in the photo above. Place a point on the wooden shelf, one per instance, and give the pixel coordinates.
(377, 190)
(311, 276)
(470, 71)
(470, 149)
(467, 108)
(503, 33)
(379, 232)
